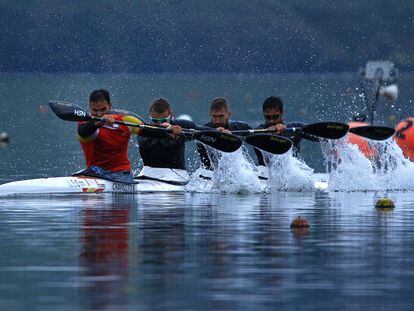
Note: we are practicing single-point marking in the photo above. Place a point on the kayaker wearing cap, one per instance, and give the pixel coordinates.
(220, 119)
(164, 155)
(105, 144)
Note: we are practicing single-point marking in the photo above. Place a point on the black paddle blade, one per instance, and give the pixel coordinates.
(329, 130)
(68, 111)
(373, 132)
(218, 140)
(270, 143)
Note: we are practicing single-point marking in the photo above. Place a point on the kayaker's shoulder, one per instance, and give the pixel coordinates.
(238, 125)
(295, 124)
(261, 126)
(183, 123)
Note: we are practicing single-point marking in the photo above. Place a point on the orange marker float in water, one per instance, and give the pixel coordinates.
(299, 223)
(361, 142)
(404, 136)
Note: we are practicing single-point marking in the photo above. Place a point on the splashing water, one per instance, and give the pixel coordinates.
(234, 173)
(350, 170)
(397, 171)
(288, 173)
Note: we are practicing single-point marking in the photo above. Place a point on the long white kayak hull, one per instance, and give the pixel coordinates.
(80, 184)
(83, 184)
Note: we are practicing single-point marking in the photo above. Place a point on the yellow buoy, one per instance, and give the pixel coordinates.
(384, 203)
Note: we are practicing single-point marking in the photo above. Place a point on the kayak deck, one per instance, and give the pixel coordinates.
(83, 184)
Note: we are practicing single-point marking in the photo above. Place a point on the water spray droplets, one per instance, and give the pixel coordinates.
(350, 170)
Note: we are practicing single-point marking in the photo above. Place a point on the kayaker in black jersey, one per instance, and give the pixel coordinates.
(273, 115)
(165, 150)
(220, 119)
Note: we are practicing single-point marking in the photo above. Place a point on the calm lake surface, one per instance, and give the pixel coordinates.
(206, 251)
(195, 250)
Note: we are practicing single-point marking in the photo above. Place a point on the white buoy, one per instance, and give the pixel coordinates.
(185, 117)
(4, 137)
(390, 92)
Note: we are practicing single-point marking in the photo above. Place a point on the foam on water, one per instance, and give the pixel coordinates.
(288, 173)
(350, 170)
(234, 173)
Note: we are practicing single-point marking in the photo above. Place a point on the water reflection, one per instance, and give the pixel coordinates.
(219, 248)
(195, 251)
(105, 251)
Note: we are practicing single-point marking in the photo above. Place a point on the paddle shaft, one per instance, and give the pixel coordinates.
(142, 126)
(257, 131)
(152, 127)
(222, 141)
(329, 130)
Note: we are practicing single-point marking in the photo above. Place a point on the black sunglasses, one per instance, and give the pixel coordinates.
(272, 116)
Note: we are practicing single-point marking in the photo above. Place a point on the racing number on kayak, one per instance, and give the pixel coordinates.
(400, 132)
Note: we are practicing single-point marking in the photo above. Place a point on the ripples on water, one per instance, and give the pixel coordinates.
(206, 251)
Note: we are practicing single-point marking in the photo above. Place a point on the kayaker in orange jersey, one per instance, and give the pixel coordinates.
(105, 144)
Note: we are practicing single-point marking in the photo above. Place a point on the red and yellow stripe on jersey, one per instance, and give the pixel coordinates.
(108, 146)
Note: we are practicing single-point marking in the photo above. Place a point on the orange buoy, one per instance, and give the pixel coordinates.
(404, 136)
(299, 223)
(361, 142)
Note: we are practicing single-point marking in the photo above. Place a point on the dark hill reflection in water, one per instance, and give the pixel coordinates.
(199, 251)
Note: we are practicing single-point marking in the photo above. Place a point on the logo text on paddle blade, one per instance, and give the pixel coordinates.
(208, 138)
(79, 113)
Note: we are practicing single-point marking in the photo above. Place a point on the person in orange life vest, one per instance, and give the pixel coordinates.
(105, 143)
